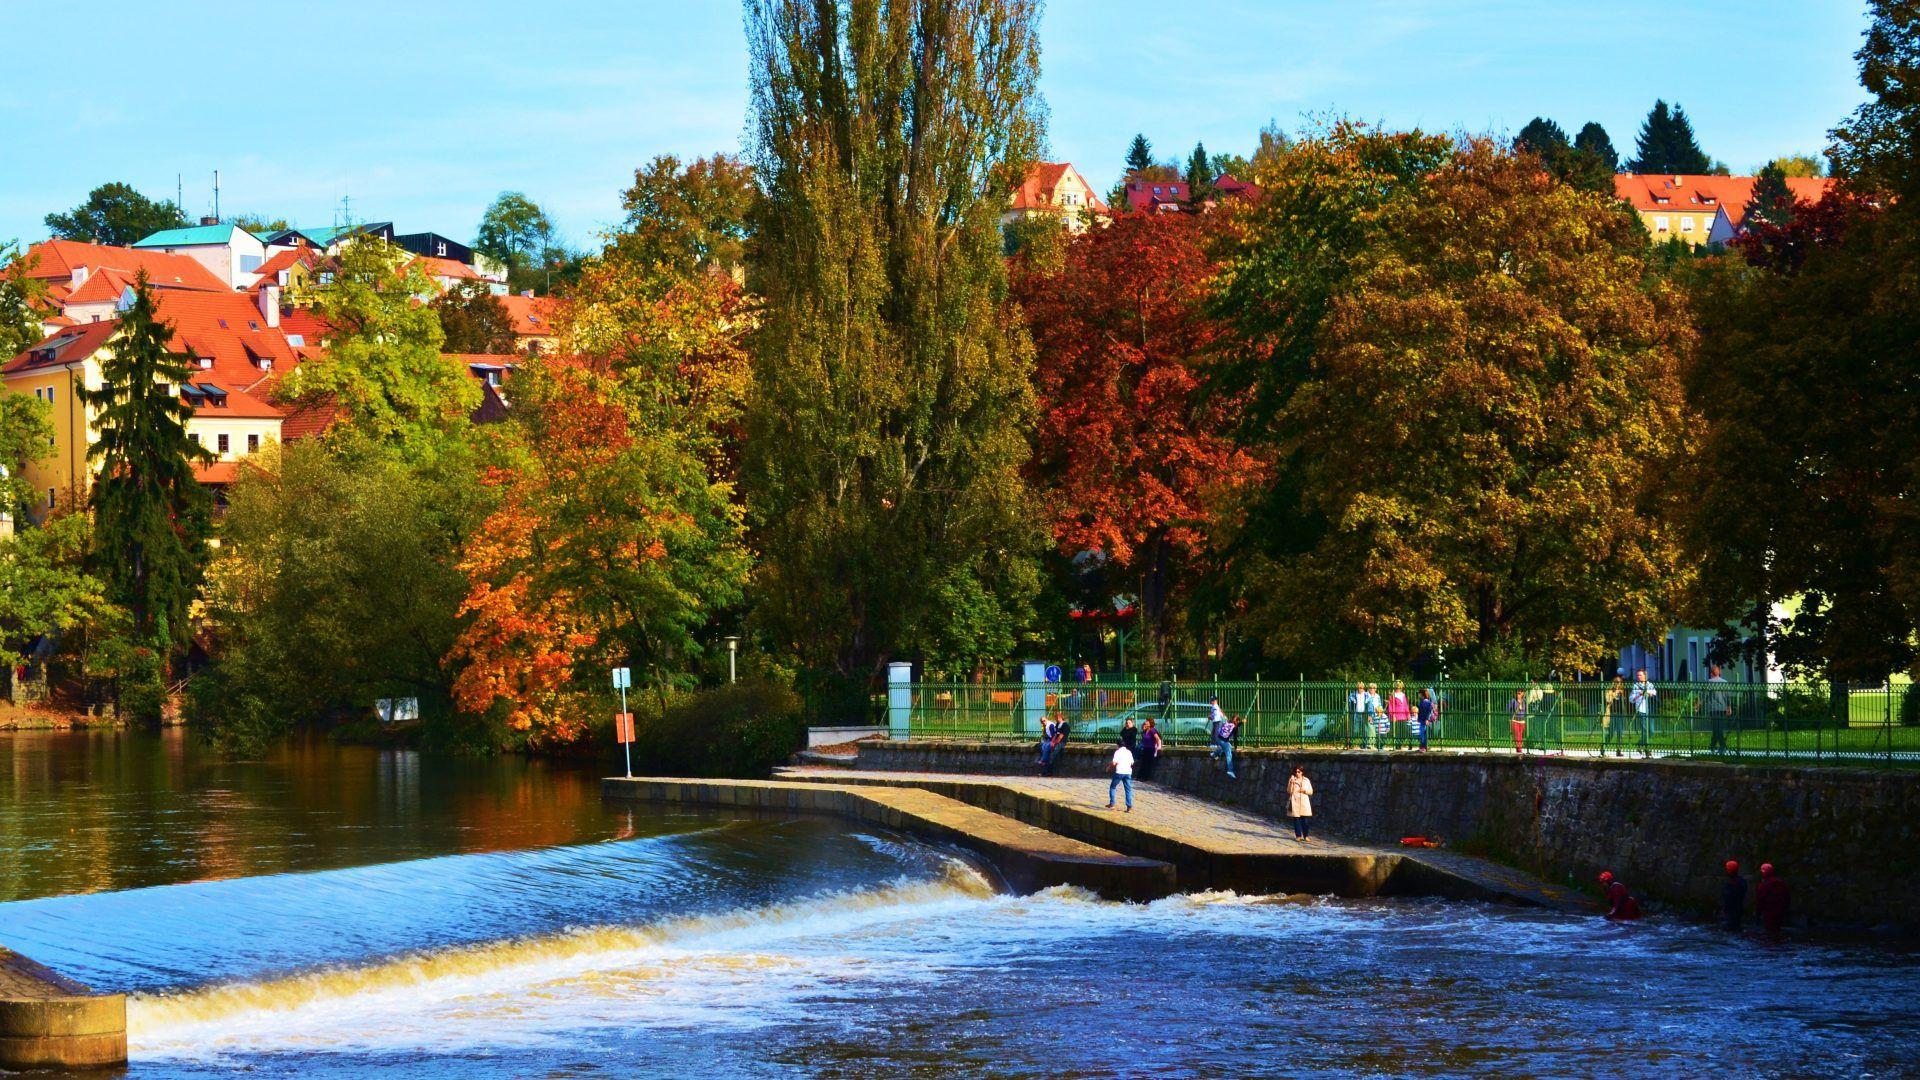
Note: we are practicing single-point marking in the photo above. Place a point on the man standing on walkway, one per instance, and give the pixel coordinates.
(1641, 698)
(1362, 715)
(1719, 709)
(1300, 803)
(1122, 769)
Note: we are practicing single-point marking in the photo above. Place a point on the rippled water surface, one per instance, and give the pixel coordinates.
(691, 945)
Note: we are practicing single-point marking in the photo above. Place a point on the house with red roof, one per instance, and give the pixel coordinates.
(1158, 196)
(1056, 190)
(239, 353)
(533, 326)
(67, 267)
(230, 252)
(1701, 209)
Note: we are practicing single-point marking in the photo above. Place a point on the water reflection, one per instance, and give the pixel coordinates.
(95, 811)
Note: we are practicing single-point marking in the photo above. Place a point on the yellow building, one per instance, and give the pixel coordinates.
(1699, 209)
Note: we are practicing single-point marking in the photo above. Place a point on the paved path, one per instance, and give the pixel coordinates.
(1213, 842)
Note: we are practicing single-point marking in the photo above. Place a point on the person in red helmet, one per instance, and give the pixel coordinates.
(1621, 906)
(1772, 898)
(1733, 898)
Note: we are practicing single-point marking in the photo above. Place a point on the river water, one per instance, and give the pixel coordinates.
(348, 912)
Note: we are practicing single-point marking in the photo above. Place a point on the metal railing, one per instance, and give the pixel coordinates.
(1813, 721)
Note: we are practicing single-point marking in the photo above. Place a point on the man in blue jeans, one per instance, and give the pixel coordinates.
(1122, 769)
(1223, 741)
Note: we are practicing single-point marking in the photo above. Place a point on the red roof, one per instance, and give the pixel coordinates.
(1156, 194)
(1228, 185)
(312, 418)
(1652, 193)
(1041, 189)
(434, 266)
(285, 260)
(532, 315)
(62, 347)
(216, 472)
(101, 286)
(58, 259)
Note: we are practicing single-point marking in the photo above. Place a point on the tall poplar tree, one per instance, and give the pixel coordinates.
(151, 517)
(886, 427)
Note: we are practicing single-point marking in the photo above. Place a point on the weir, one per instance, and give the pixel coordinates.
(51, 1022)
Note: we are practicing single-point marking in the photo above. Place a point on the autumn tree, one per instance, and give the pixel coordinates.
(473, 320)
(1805, 166)
(151, 516)
(383, 366)
(1478, 427)
(692, 216)
(1131, 456)
(891, 395)
(115, 214)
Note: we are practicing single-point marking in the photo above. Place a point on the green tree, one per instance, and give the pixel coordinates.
(26, 429)
(1877, 149)
(517, 232)
(260, 224)
(383, 365)
(1594, 140)
(115, 214)
(1139, 155)
(1199, 175)
(1587, 169)
(151, 517)
(891, 394)
(1481, 430)
(473, 320)
(1667, 144)
(696, 216)
(23, 303)
(336, 584)
(1772, 201)
(1802, 166)
(45, 586)
(1542, 138)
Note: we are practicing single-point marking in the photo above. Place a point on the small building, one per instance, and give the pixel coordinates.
(533, 326)
(233, 254)
(1158, 196)
(1701, 209)
(1058, 191)
(69, 269)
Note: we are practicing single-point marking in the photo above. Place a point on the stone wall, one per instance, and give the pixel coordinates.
(1848, 840)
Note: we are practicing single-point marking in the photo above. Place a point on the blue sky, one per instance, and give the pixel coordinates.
(422, 110)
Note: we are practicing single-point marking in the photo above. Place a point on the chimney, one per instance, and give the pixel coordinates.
(270, 304)
(209, 219)
(79, 276)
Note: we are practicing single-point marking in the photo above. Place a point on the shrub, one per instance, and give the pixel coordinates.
(1910, 705)
(740, 730)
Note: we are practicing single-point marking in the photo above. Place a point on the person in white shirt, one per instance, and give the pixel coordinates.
(1122, 769)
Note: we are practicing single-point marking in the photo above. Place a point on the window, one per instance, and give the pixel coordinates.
(221, 442)
(50, 494)
(249, 263)
(280, 277)
(1659, 224)
(1686, 224)
(440, 247)
(253, 443)
(195, 436)
(326, 277)
(51, 391)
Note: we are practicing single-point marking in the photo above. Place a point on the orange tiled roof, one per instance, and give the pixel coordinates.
(1651, 193)
(532, 315)
(62, 347)
(1040, 190)
(310, 419)
(101, 286)
(284, 260)
(57, 260)
(434, 266)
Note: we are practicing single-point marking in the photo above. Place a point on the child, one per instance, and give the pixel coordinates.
(1517, 717)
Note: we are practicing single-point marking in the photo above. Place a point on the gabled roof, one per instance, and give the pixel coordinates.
(435, 266)
(1145, 194)
(1041, 189)
(1652, 193)
(325, 236)
(62, 347)
(1228, 184)
(190, 236)
(102, 286)
(56, 260)
(283, 260)
(532, 315)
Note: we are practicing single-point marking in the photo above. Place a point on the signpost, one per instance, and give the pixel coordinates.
(623, 720)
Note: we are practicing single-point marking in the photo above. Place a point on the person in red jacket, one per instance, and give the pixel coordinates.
(1621, 906)
(1772, 898)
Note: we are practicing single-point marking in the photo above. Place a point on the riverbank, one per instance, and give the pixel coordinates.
(1848, 841)
(47, 716)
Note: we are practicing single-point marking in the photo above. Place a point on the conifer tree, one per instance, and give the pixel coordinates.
(1139, 155)
(1199, 175)
(151, 517)
(1594, 140)
(887, 422)
(1772, 201)
(1544, 138)
(1667, 144)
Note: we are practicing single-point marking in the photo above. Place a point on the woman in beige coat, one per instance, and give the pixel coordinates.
(1300, 803)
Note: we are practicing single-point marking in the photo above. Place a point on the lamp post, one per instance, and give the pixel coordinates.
(733, 652)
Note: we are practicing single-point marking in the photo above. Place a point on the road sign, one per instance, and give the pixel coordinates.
(1053, 672)
(623, 727)
(622, 678)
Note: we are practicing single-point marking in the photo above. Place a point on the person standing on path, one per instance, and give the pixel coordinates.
(1733, 898)
(1641, 699)
(1399, 713)
(1423, 717)
(1517, 719)
(1149, 754)
(1362, 716)
(1772, 900)
(1613, 717)
(1377, 715)
(1719, 709)
(1130, 735)
(1121, 766)
(1300, 803)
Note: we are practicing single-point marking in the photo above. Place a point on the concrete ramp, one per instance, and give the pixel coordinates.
(51, 1022)
(1029, 858)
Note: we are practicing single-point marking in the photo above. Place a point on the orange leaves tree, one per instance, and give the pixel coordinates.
(617, 535)
(1132, 457)
(1485, 400)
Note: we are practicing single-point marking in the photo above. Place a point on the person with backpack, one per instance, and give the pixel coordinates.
(1060, 732)
(1121, 766)
(1046, 742)
(1149, 754)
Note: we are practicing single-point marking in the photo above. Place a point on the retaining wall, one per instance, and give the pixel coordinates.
(1848, 841)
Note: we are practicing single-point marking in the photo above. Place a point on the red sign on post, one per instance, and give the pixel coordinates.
(623, 727)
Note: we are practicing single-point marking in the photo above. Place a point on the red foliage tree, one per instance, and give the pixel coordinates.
(1131, 452)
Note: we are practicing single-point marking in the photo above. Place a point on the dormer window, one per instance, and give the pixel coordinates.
(260, 359)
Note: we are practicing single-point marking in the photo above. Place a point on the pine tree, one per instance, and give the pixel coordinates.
(1667, 144)
(892, 394)
(1543, 138)
(151, 517)
(1687, 155)
(1139, 155)
(1199, 175)
(1772, 201)
(1594, 140)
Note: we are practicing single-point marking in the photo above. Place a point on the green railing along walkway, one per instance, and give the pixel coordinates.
(1847, 724)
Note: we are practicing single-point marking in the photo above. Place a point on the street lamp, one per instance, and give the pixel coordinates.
(733, 652)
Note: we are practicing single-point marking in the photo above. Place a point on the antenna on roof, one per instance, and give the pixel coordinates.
(216, 195)
(179, 192)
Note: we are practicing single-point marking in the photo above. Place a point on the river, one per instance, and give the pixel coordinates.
(336, 911)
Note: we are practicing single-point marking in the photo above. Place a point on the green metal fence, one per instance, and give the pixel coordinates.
(1862, 724)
